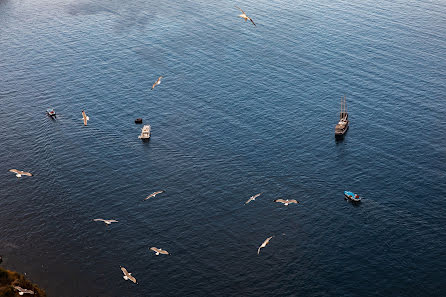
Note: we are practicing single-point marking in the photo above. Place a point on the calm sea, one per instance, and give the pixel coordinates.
(241, 110)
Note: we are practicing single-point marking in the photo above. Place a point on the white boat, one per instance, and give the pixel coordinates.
(145, 132)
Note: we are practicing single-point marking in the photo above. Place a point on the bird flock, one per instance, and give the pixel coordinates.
(158, 251)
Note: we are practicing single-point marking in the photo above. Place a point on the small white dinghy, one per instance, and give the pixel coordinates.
(145, 133)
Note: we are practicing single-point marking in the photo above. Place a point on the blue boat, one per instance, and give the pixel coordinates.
(352, 196)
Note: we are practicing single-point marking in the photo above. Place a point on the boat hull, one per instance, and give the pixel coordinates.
(341, 134)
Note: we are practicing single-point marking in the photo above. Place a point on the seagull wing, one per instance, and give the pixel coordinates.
(14, 171)
(133, 279)
(155, 249)
(26, 173)
(240, 9)
(158, 192)
(126, 273)
(18, 288)
(99, 220)
(158, 81)
(264, 244)
(164, 252)
(280, 200)
(252, 21)
(84, 117)
(154, 194)
(249, 200)
(112, 221)
(293, 201)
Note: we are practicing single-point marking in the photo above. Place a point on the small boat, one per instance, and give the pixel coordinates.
(145, 132)
(352, 196)
(138, 121)
(342, 125)
(50, 112)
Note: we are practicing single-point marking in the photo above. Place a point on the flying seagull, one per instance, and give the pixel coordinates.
(23, 291)
(264, 244)
(253, 197)
(154, 194)
(159, 251)
(108, 222)
(245, 17)
(158, 81)
(85, 118)
(127, 275)
(286, 202)
(19, 173)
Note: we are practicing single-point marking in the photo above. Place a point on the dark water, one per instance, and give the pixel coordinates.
(242, 110)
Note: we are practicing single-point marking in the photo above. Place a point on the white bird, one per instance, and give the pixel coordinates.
(159, 251)
(23, 291)
(108, 222)
(158, 81)
(127, 275)
(264, 244)
(154, 194)
(245, 17)
(252, 198)
(286, 202)
(19, 173)
(85, 118)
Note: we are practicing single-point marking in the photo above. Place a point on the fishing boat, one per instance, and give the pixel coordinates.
(50, 112)
(352, 196)
(342, 126)
(145, 132)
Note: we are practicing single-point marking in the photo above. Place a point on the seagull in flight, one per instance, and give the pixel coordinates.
(253, 197)
(85, 118)
(159, 251)
(158, 81)
(264, 244)
(154, 194)
(108, 222)
(286, 202)
(127, 275)
(19, 173)
(245, 17)
(23, 291)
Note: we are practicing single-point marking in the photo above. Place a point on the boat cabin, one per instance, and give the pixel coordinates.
(145, 132)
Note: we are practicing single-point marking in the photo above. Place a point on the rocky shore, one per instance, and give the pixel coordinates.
(9, 279)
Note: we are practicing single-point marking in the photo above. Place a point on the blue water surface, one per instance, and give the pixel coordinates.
(241, 110)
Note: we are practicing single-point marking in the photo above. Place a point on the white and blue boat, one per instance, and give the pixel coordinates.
(50, 112)
(352, 196)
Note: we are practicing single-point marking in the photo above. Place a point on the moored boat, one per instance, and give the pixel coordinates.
(343, 123)
(352, 196)
(145, 132)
